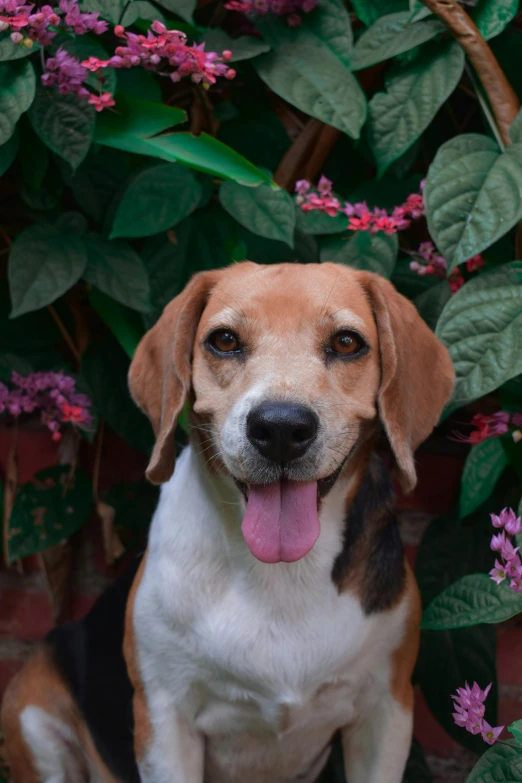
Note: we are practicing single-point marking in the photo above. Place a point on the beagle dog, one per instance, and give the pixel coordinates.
(273, 609)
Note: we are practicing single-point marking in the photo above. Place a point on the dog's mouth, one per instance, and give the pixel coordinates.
(281, 521)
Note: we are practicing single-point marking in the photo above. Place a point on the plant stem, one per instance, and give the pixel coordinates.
(502, 98)
(65, 334)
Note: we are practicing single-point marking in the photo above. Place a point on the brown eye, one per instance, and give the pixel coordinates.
(224, 341)
(346, 343)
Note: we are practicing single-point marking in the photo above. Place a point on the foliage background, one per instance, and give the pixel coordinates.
(104, 218)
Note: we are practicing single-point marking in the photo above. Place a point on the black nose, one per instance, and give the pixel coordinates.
(281, 431)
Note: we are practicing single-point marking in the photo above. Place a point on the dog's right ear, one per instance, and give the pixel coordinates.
(160, 372)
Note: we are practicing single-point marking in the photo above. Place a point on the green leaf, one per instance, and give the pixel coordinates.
(8, 152)
(141, 9)
(64, 123)
(417, 770)
(515, 129)
(98, 179)
(330, 23)
(108, 9)
(473, 195)
(34, 159)
(431, 303)
(183, 8)
(309, 73)
(500, 764)
(137, 83)
(17, 88)
(125, 324)
(449, 658)
(492, 16)
(43, 264)
(104, 370)
(371, 252)
(72, 223)
(52, 506)
(484, 465)
(263, 210)
(166, 260)
(207, 154)
(243, 48)
(472, 600)
(155, 200)
(11, 51)
(368, 11)
(134, 120)
(414, 93)
(481, 327)
(516, 730)
(391, 35)
(117, 270)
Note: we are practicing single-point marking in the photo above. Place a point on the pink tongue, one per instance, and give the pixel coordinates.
(281, 521)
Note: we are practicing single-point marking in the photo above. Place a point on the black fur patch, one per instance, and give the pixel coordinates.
(89, 654)
(371, 534)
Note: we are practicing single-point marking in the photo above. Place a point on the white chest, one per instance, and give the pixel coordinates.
(237, 645)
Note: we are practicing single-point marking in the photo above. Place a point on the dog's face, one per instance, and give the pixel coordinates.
(289, 367)
(286, 371)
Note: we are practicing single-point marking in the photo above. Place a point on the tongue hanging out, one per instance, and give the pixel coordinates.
(281, 521)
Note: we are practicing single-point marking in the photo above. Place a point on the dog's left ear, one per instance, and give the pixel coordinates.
(160, 372)
(417, 374)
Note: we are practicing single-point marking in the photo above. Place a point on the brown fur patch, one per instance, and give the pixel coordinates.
(39, 684)
(142, 723)
(404, 657)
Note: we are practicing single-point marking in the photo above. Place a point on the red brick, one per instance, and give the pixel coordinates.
(508, 711)
(509, 656)
(25, 615)
(433, 738)
(8, 669)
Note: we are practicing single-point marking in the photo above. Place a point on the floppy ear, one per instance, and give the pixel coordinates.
(417, 374)
(160, 372)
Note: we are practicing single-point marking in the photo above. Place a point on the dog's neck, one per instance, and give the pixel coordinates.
(358, 534)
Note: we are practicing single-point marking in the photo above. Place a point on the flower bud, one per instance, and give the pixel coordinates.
(16, 38)
(230, 74)
(227, 56)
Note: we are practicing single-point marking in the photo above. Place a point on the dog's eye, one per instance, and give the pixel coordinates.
(346, 343)
(224, 341)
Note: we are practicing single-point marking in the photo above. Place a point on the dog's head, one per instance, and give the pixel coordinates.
(289, 367)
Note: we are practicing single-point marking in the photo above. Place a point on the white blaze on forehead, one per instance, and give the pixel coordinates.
(347, 318)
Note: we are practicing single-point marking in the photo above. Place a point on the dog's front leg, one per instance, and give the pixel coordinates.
(167, 749)
(376, 748)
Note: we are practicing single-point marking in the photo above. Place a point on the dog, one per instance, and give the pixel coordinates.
(273, 609)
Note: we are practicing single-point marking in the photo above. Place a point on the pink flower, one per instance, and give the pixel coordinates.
(291, 9)
(498, 542)
(489, 734)
(474, 263)
(508, 551)
(486, 427)
(498, 574)
(52, 393)
(456, 281)
(516, 584)
(469, 712)
(512, 523)
(325, 186)
(101, 102)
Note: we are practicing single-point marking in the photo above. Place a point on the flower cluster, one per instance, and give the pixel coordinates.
(427, 261)
(28, 24)
(469, 712)
(360, 216)
(509, 566)
(291, 9)
(491, 426)
(166, 52)
(53, 394)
